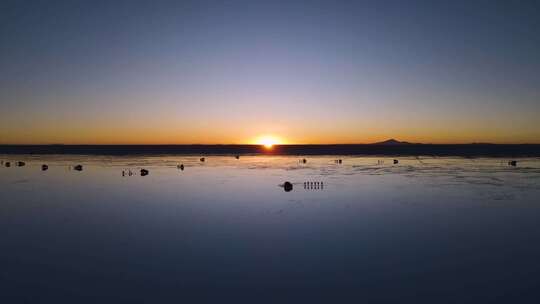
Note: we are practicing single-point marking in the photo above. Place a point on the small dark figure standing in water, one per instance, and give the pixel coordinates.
(181, 167)
(237, 156)
(202, 159)
(396, 161)
(78, 167)
(144, 172)
(512, 163)
(304, 160)
(8, 164)
(20, 164)
(44, 167)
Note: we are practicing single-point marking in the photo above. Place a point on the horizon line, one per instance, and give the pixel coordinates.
(236, 144)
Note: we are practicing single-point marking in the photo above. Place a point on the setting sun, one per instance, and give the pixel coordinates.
(268, 141)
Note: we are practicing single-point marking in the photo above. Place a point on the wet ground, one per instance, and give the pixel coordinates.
(437, 230)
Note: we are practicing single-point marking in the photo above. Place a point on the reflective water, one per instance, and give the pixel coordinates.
(437, 230)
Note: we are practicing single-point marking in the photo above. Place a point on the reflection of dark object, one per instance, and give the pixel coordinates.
(20, 164)
(8, 164)
(144, 172)
(287, 186)
(237, 156)
(202, 159)
(78, 167)
(313, 185)
(181, 167)
(44, 167)
(396, 161)
(304, 160)
(512, 163)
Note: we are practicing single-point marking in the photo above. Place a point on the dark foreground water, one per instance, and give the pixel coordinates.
(431, 230)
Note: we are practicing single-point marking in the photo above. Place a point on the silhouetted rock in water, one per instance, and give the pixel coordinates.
(287, 186)
(512, 163)
(144, 172)
(304, 160)
(8, 164)
(181, 167)
(202, 159)
(78, 167)
(396, 161)
(44, 167)
(20, 164)
(237, 156)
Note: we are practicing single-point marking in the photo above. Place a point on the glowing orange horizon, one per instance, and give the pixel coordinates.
(100, 135)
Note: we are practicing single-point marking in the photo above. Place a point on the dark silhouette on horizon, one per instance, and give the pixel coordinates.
(389, 147)
(392, 142)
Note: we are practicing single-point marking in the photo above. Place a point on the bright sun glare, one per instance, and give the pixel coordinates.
(267, 141)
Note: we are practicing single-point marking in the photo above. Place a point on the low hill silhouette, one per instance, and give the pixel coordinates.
(392, 142)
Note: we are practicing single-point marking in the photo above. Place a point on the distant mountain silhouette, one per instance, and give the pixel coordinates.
(392, 142)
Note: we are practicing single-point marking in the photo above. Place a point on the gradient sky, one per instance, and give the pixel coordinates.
(106, 72)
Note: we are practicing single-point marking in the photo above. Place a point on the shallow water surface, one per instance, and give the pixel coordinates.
(443, 230)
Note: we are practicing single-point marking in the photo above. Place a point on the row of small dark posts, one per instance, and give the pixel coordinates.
(313, 185)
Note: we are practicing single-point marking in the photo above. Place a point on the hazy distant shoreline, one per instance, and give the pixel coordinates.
(468, 150)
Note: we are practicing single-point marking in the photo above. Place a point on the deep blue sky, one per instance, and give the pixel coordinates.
(303, 71)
